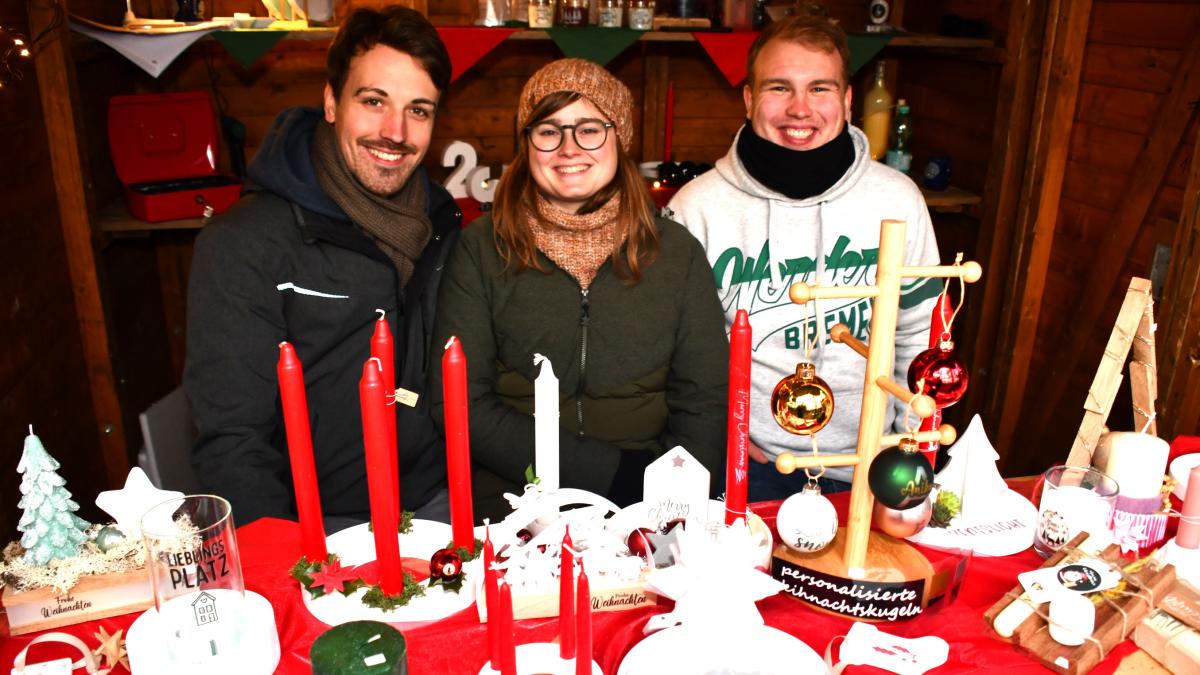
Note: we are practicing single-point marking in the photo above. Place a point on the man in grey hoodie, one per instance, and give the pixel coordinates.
(797, 198)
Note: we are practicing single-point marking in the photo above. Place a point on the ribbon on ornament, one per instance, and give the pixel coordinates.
(88, 661)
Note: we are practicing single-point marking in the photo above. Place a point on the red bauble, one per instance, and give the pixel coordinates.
(445, 564)
(944, 373)
(639, 544)
(524, 535)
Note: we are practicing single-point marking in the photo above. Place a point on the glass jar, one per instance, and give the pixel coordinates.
(612, 12)
(541, 13)
(574, 13)
(641, 14)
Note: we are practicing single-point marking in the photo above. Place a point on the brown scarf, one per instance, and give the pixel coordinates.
(398, 224)
(577, 244)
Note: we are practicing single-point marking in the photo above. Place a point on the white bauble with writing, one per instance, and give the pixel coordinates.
(807, 521)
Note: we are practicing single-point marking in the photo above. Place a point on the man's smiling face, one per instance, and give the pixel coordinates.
(796, 97)
(383, 118)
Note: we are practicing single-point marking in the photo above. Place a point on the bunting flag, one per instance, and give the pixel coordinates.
(596, 44)
(248, 46)
(728, 51)
(469, 44)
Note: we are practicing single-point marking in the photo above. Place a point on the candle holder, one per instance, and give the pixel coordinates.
(541, 658)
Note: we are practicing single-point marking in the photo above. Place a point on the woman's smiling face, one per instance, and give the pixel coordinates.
(569, 175)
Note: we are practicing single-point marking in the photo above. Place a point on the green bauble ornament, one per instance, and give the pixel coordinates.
(900, 477)
(108, 537)
(360, 648)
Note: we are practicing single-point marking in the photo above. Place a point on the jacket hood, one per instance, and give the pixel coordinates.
(283, 165)
(731, 169)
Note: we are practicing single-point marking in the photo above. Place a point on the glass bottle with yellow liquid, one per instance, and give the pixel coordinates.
(877, 114)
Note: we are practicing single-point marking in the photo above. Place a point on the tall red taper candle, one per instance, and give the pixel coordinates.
(458, 444)
(943, 312)
(508, 640)
(583, 626)
(491, 596)
(566, 599)
(383, 348)
(668, 121)
(737, 452)
(1188, 535)
(383, 517)
(300, 452)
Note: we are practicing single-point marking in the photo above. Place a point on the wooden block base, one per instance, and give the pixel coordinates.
(897, 581)
(93, 597)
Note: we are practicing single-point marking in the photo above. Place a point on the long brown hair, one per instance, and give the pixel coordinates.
(515, 203)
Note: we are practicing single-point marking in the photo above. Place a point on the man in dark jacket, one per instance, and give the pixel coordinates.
(340, 220)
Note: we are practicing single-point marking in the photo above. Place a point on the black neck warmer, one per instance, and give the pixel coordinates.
(798, 174)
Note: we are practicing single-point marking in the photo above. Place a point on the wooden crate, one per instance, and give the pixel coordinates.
(94, 597)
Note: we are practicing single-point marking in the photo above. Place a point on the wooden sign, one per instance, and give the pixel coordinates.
(94, 597)
(607, 596)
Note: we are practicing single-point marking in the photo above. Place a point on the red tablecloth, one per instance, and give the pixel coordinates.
(457, 645)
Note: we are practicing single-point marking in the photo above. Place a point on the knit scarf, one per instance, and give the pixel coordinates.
(397, 223)
(797, 174)
(579, 244)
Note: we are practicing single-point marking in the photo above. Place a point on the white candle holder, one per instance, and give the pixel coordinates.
(1185, 560)
(254, 652)
(540, 658)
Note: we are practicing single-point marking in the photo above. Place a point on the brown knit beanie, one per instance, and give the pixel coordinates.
(582, 77)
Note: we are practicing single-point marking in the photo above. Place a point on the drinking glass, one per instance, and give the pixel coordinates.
(1074, 499)
(196, 574)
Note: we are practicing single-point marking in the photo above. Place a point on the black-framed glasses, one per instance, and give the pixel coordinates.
(589, 135)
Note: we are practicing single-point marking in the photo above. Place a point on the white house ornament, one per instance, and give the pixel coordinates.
(807, 521)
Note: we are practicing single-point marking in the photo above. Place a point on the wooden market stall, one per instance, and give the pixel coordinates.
(1071, 124)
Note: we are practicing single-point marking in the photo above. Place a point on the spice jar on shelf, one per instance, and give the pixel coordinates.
(612, 13)
(541, 13)
(574, 13)
(641, 14)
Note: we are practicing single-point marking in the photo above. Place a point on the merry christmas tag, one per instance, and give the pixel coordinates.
(866, 645)
(1085, 576)
(676, 486)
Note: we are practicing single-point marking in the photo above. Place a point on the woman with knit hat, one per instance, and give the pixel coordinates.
(571, 263)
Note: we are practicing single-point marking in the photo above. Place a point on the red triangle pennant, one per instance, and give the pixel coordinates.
(469, 44)
(728, 51)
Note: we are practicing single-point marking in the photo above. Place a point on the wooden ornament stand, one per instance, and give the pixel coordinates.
(1134, 329)
(863, 563)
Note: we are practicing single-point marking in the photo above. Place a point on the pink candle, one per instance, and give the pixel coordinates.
(375, 440)
(508, 644)
(492, 598)
(382, 348)
(668, 121)
(1188, 535)
(300, 452)
(583, 626)
(566, 599)
(458, 444)
(737, 459)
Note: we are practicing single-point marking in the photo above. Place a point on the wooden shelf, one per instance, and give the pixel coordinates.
(116, 219)
(950, 200)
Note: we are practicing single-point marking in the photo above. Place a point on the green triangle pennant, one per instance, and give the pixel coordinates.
(596, 44)
(864, 47)
(248, 46)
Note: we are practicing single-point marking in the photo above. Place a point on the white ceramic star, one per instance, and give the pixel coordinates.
(130, 503)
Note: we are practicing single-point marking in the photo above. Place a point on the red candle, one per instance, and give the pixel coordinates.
(737, 459)
(583, 626)
(491, 597)
(300, 452)
(375, 439)
(508, 645)
(382, 348)
(668, 121)
(1188, 535)
(566, 599)
(458, 444)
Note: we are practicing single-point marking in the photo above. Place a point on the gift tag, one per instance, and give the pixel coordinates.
(1183, 603)
(676, 486)
(1084, 576)
(55, 667)
(406, 397)
(866, 645)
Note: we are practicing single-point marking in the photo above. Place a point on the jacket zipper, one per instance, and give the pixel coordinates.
(584, 320)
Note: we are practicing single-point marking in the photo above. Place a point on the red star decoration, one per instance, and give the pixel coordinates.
(331, 577)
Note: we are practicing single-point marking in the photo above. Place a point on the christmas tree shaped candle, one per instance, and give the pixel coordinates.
(50, 528)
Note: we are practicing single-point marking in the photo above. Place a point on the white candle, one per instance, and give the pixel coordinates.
(545, 424)
(1082, 509)
(1072, 618)
(1136, 461)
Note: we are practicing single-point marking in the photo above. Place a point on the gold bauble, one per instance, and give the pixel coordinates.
(802, 403)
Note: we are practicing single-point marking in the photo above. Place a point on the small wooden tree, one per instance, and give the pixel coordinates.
(50, 528)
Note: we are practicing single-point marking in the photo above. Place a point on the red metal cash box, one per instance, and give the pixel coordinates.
(164, 147)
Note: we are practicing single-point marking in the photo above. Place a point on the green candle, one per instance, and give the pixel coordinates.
(360, 648)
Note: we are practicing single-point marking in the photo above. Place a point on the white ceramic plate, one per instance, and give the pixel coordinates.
(1011, 532)
(685, 651)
